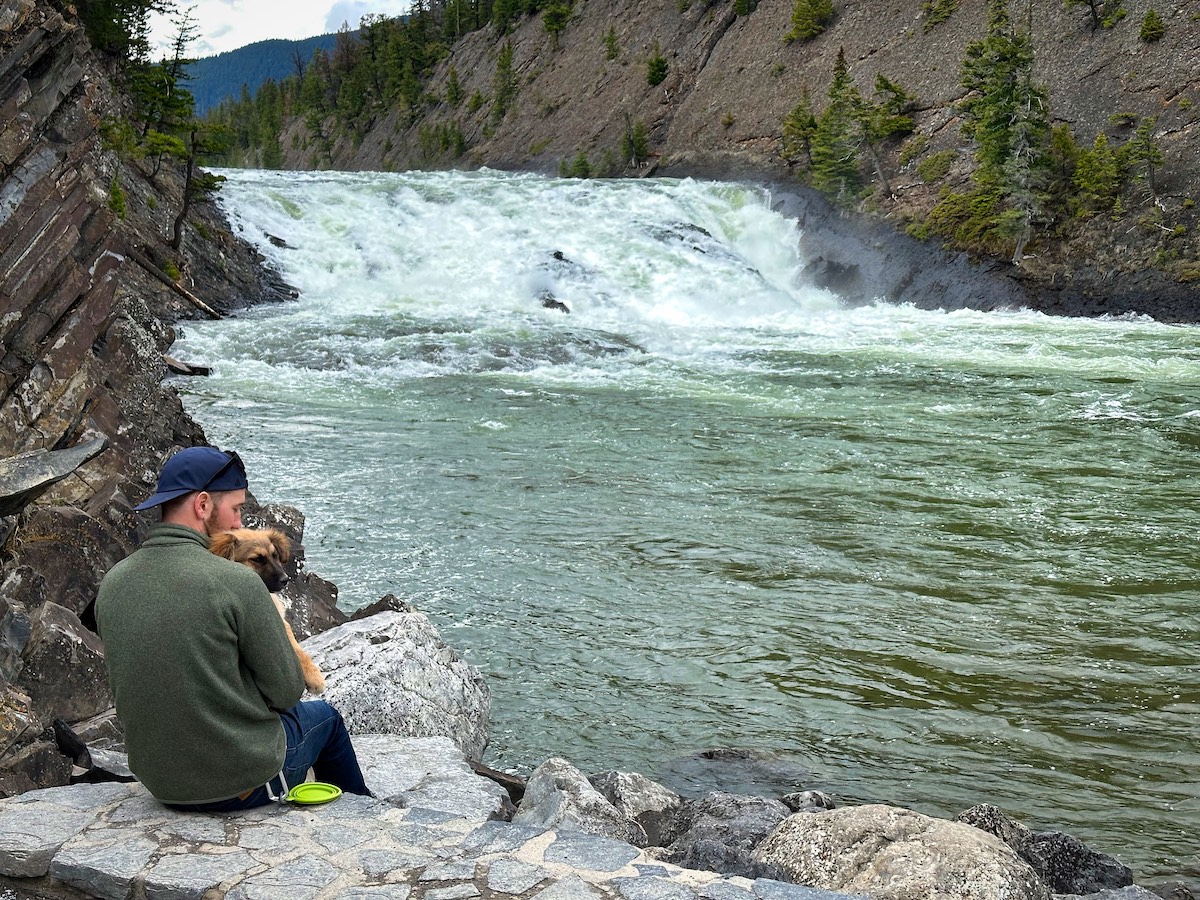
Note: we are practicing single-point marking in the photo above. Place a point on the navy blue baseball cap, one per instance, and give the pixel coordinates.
(197, 469)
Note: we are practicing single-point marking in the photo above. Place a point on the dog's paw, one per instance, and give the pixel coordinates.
(315, 683)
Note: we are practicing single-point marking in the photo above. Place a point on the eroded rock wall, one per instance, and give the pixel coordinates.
(82, 333)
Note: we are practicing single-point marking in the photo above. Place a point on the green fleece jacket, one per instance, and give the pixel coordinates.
(199, 664)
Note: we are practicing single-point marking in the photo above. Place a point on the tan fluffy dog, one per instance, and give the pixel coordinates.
(265, 551)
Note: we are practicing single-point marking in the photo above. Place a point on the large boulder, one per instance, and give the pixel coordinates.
(654, 807)
(890, 853)
(722, 831)
(393, 674)
(559, 796)
(1063, 862)
(60, 553)
(63, 666)
(29, 758)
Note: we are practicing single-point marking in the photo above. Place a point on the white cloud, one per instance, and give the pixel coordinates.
(352, 11)
(228, 24)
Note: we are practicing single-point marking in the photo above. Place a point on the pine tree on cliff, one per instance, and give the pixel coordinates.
(1152, 27)
(882, 121)
(809, 18)
(835, 141)
(995, 74)
(1007, 117)
(1105, 13)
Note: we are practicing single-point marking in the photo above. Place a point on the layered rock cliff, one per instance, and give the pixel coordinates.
(732, 79)
(83, 329)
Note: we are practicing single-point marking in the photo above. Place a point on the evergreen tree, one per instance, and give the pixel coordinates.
(635, 142)
(1097, 179)
(410, 90)
(809, 18)
(203, 143)
(611, 48)
(656, 68)
(799, 126)
(580, 167)
(1152, 27)
(937, 11)
(1104, 13)
(504, 82)
(555, 20)
(121, 28)
(997, 74)
(454, 92)
(1142, 157)
(835, 140)
(883, 120)
(1006, 115)
(504, 13)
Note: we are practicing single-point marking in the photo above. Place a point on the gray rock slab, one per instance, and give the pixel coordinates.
(457, 870)
(194, 829)
(427, 773)
(391, 673)
(570, 888)
(347, 806)
(143, 810)
(25, 477)
(301, 879)
(31, 834)
(767, 889)
(512, 876)
(273, 838)
(78, 796)
(587, 851)
(380, 892)
(723, 890)
(498, 837)
(188, 876)
(104, 863)
(337, 837)
(652, 888)
(453, 892)
(477, 799)
(392, 863)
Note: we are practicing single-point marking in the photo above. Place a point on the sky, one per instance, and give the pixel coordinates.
(229, 24)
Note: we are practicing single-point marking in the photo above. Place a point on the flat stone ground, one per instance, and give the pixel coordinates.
(427, 835)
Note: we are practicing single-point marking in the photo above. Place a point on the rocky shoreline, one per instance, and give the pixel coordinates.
(433, 820)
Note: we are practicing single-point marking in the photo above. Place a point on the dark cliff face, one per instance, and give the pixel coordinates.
(732, 79)
(83, 329)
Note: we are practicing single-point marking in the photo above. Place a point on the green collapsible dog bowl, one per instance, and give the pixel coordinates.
(313, 792)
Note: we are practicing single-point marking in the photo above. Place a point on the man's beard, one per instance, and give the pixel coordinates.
(210, 527)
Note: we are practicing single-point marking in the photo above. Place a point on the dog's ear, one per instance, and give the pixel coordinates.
(223, 544)
(283, 547)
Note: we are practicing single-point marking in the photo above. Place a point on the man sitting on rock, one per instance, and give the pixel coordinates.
(206, 683)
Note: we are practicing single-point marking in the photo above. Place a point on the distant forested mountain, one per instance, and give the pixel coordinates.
(216, 78)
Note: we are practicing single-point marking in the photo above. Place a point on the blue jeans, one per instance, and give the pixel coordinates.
(316, 739)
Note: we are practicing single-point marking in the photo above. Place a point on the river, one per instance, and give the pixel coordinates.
(923, 558)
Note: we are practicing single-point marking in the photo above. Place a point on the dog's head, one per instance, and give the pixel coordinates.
(265, 551)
